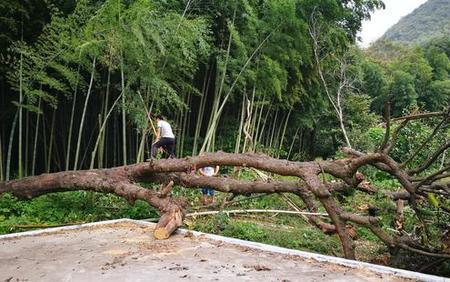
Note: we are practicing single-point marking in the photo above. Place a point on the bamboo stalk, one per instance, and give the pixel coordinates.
(1, 159)
(274, 125)
(100, 146)
(198, 125)
(148, 112)
(50, 150)
(80, 131)
(249, 122)
(44, 137)
(252, 130)
(261, 131)
(141, 146)
(20, 115)
(258, 123)
(256, 211)
(241, 125)
(293, 141)
(102, 160)
(229, 212)
(36, 134)
(11, 138)
(102, 128)
(211, 132)
(232, 212)
(284, 131)
(185, 124)
(144, 132)
(211, 126)
(27, 133)
(72, 114)
(294, 206)
(124, 121)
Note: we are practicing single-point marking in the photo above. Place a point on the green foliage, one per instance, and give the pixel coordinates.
(171, 54)
(288, 233)
(245, 231)
(374, 83)
(372, 139)
(412, 136)
(46, 68)
(404, 95)
(439, 94)
(409, 140)
(67, 208)
(408, 77)
(359, 119)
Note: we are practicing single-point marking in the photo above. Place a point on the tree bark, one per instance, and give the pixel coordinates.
(123, 180)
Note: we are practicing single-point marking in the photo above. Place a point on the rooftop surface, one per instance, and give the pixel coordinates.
(125, 250)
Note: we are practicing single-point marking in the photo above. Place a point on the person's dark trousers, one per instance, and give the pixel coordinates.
(167, 143)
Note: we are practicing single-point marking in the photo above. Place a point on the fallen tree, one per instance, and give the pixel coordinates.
(311, 187)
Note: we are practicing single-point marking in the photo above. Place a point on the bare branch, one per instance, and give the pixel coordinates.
(424, 143)
(419, 116)
(434, 177)
(431, 160)
(425, 253)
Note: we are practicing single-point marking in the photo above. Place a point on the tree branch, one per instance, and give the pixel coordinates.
(431, 160)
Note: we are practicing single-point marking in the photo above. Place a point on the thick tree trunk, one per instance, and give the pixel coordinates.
(123, 180)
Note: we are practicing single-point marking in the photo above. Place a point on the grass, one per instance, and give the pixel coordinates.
(67, 208)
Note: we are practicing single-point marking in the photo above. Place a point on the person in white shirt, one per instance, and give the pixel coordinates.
(208, 193)
(164, 138)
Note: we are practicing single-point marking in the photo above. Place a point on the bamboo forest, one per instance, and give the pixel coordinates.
(276, 97)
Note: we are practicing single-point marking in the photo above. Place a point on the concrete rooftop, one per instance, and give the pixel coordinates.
(125, 250)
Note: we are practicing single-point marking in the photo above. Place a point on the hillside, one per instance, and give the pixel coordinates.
(430, 20)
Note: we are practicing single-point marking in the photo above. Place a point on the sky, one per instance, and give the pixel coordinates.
(382, 20)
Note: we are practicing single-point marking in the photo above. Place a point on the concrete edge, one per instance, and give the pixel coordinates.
(258, 246)
(317, 257)
(64, 228)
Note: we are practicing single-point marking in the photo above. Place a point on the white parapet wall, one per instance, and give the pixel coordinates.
(257, 246)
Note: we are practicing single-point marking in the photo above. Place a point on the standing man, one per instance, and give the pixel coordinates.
(164, 138)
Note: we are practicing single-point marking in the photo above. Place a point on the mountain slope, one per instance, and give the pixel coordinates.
(430, 20)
